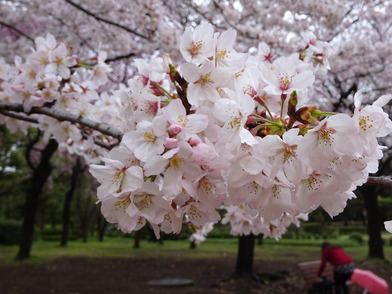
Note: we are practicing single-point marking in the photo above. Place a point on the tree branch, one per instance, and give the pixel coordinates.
(16, 30)
(19, 116)
(385, 182)
(116, 58)
(106, 20)
(61, 116)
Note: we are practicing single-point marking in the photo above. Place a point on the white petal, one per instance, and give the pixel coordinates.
(388, 226)
(357, 99)
(303, 80)
(251, 165)
(383, 100)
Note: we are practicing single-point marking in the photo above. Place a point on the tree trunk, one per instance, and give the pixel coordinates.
(138, 237)
(101, 226)
(84, 231)
(260, 239)
(244, 266)
(374, 223)
(38, 180)
(67, 203)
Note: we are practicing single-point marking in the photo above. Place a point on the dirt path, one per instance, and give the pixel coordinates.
(131, 276)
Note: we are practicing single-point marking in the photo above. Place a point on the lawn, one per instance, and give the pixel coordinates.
(286, 249)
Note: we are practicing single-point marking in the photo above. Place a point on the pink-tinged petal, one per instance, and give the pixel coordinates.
(107, 188)
(171, 143)
(171, 153)
(175, 111)
(132, 210)
(251, 165)
(302, 80)
(133, 179)
(335, 203)
(115, 164)
(172, 182)
(100, 172)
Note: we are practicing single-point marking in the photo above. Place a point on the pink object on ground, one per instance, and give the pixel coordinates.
(370, 281)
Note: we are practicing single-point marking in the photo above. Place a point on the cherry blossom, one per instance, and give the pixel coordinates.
(224, 130)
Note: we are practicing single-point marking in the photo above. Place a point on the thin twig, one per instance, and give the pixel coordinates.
(97, 17)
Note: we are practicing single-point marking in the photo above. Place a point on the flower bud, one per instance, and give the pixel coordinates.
(193, 142)
(175, 130)
(170, 143)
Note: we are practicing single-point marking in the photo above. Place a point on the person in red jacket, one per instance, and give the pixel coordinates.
(343, 265)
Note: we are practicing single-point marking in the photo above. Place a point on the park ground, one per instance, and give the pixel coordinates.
(114, 267)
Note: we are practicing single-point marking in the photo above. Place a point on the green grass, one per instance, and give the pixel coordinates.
(286, 249)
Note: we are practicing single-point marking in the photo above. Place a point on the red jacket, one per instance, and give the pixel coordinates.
(335, 256)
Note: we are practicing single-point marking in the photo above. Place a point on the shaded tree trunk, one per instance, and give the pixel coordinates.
(40, 175)
(260, 239)
(244, 266)
(374, 223)
(101, 224)
(67, 203)
(138, 238)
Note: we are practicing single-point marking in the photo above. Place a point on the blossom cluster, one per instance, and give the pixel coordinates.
(54, 78)
(230, 129)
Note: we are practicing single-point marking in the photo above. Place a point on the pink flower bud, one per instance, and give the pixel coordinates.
(250, 119)
(170, 143)
(193, 142)
(175, 129)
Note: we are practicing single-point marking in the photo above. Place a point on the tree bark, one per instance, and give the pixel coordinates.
(101, 223)
(138, 237)
(374, 223)
(244, 266)
(67, 203)
(38, 180)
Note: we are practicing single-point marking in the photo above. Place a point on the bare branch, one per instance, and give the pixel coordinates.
(106, 20)
(19, 116)
(116, 58)
(385, 182)
(16, 30)
(61, 116)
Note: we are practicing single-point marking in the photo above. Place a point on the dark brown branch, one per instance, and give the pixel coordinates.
(30, 147)
(385, 182)
(104, 129)
(120, 57)
(106, 20)
(16, 30)
(103, 145)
